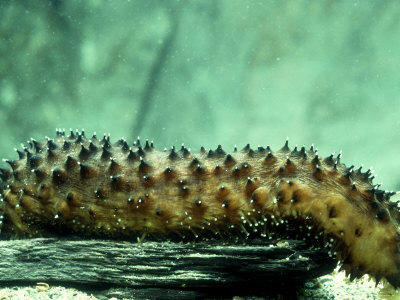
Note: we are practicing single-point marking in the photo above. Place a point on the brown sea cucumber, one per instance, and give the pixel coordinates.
(91, 187)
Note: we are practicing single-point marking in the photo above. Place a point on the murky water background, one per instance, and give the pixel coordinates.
(207, 73)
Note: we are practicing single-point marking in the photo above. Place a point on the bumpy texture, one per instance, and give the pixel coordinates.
(72, 184)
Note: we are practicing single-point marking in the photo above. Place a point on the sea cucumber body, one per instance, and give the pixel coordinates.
(73, 184)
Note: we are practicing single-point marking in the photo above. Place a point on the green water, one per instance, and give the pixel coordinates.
(205, 73)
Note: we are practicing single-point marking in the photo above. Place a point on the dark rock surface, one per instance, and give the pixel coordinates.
(164, 270)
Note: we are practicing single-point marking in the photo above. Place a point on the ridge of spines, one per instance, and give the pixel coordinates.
(132, 155)
(87, 150)
(106, 154)
(70, 162)
(106, 142)
(114, 166)
(318, 172)
(366, 176)
(303, 152)
(84, 153)
(144, 166)
(169, 172)
(148, 146)
(59, 175)
(51, 154)
(13, 163)
(60, 132)
(118, 181)
(51, 144)
(5, 174)
(229, 159)
(199, 169)
(382, 195)
(137, 142)
(299, 153)
(184, 151)
(36, 145)
(71, 134)
(348, 172)
(140, 151)
(329, 160)
(40, 172)
(124, 146)
(246, 148)
(172, 154)
(119, 143)
(36, 154)
(219, 151)
(34, 160)
(316, 160)
(339, 156)
(66, 145)
(269, 157)
(80, 138)
(285, 147)
(92, 147)
(195, 161)
(260, 149)
(295, 151)
(251, 153)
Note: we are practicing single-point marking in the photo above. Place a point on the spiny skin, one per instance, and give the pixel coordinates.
(72, 184)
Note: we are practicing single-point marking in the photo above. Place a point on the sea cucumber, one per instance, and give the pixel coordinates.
(95, 188)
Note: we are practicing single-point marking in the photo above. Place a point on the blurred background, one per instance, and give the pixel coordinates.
(207, 72)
